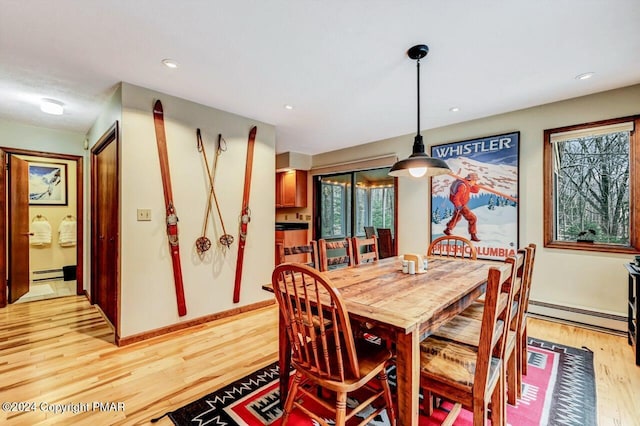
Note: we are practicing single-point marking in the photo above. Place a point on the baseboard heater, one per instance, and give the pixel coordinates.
(600, 320)
(44, 275)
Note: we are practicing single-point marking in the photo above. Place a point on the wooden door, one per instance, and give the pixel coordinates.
(105, 225)
(18, 221)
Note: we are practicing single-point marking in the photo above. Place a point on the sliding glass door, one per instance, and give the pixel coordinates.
(355, 204)
(335, 206)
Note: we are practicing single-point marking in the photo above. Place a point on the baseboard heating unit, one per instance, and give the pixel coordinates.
(44, 275)
(580, 316)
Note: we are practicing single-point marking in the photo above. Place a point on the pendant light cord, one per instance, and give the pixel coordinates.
(418, 68)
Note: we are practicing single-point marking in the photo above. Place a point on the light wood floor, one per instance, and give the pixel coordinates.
(60, 352)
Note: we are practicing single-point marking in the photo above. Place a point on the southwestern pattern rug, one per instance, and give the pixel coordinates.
(559, 389)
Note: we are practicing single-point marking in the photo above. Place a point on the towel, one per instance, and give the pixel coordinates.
(41, 233)
(67, 233)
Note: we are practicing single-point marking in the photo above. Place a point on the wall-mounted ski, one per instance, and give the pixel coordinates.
(172, 219)
(245, 215)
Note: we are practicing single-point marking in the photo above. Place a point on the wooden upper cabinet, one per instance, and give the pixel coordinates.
(291, 188)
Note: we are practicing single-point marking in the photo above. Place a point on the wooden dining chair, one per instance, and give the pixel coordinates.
(307, 254)
(365, 250)
(327, 357)
(334, 254)
(472, 376)
(470, 321)
(385, 243)
(522, 331)
(452, 246)
(369, 231)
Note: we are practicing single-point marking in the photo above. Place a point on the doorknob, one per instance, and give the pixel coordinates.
(27, 234)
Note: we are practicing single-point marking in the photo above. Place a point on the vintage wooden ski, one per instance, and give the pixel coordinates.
(245, 215)
(172, 218)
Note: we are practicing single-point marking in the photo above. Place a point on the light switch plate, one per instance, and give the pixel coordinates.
(144, 215)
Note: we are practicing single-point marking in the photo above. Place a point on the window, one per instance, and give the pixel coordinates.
(382, 206)
(591, 187)
(374, 204)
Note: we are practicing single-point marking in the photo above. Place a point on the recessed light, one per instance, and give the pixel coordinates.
(289, 107)
(51, 106)
(585, 76)
(170, 63)
(454, 109)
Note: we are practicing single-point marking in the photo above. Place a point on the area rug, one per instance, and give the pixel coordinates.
(559, 389)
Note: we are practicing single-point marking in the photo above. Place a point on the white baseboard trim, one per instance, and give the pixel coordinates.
(603, 320)
(44, 275)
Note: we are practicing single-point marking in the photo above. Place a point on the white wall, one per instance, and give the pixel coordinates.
(147, 287)
(24, 136)
(590, 280)
(111, 112)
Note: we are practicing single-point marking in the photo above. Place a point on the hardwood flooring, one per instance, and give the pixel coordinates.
(59, 354)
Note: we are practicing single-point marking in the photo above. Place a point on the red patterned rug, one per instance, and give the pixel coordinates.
(559, 389)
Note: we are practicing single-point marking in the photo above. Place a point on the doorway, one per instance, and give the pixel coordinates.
(105, 225)
(59, 200)
(359, 203)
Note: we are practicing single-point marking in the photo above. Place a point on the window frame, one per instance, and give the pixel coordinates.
(351, 208)
(634, 191)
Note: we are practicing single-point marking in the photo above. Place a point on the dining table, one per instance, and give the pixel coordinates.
(404, 308)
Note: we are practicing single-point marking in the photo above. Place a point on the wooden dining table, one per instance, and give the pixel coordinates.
(401, 307)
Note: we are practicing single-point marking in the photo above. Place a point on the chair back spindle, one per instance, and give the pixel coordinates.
(452, 246)
(335, 254)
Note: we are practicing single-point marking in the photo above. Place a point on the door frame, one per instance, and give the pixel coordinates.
(4, 153)
(316, 185)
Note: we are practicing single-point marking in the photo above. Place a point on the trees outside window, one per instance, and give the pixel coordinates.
(373, 204)
(590, 190)
(334, 213)
(382, 207)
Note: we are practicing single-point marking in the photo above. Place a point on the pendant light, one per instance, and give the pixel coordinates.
(419, 164)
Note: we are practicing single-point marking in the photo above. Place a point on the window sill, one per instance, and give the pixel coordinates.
(597, 247)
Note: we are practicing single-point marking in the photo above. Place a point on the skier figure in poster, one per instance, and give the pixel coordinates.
(460, 192)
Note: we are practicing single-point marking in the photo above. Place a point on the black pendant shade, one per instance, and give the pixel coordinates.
(419, 164)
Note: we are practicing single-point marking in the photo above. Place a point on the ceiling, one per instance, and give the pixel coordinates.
(341, 64)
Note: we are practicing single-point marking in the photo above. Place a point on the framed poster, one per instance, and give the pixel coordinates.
(47, 184)
(478, 200)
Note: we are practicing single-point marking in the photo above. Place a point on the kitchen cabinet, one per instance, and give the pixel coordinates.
(291, 188)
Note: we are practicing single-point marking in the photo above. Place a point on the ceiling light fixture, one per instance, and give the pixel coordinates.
(585, 76)
(289, 107)
(454, 109)
(419, 164)
(51, 106)
(170, 63)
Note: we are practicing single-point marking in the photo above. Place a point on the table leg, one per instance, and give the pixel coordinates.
(284, 359)
(408, 377)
